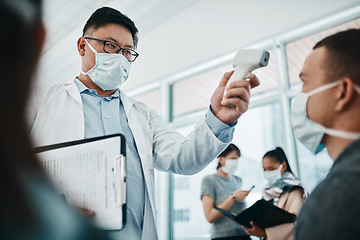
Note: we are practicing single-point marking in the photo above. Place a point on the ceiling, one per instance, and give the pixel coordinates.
(175, 35)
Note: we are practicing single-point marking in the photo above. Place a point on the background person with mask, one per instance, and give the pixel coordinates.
(283, 190)
(223, 191)
(92, 105)
(30, 209)
(327, 113)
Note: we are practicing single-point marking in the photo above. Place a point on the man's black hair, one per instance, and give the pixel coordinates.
(343, 55)
(106, 15)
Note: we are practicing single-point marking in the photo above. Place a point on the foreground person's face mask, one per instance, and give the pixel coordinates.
(309, 132)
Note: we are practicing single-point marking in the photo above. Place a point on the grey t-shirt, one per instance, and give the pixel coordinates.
(220, 188)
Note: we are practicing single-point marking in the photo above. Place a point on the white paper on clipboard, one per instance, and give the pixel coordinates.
(90, 173)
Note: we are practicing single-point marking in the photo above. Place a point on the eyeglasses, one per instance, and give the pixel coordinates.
(111, 47)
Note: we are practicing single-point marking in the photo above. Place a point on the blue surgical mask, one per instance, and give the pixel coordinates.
(110, 71)
(309, 132)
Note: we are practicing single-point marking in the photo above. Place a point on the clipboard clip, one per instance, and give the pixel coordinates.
(119, 180)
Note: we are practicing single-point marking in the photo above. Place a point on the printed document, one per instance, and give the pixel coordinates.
(88, 174)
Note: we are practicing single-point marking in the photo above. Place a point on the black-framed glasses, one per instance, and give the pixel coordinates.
(111, 47)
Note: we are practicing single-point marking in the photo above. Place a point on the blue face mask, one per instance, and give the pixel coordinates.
(309, 132)
(110, 70)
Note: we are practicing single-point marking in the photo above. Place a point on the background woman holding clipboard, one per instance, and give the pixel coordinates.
(283, 190)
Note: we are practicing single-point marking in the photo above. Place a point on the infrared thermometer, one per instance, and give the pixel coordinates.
(247, 60)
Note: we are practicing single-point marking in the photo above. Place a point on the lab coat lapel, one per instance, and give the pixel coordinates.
(73, 91)
(144, 147)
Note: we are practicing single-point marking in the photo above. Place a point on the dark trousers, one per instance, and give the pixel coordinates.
(234, 238)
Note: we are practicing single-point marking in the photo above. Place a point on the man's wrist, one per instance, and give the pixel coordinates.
(233, 197)
(221, 130)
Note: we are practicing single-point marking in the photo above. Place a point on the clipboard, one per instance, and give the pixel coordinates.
(263, 213)
(90, 173)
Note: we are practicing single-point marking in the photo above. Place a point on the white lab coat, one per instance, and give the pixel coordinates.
(55, 115)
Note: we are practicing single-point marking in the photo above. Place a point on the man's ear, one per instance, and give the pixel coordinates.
(81, 46)
(345, 94)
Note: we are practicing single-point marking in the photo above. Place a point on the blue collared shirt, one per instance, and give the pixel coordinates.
(106, 115)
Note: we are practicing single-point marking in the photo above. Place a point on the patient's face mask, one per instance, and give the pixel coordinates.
(110, 70)
(273, 176)
(231, 166)
(309, 132)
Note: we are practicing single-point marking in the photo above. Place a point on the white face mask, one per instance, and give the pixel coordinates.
(311, 133)
(230, 166)
(110, 71)
(272, 176)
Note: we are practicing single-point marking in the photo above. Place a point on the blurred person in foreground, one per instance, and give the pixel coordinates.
(327, 114)
(29, 207)
(283, 190)
(224, 190)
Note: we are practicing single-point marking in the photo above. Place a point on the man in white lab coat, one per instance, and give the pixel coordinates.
(93, 105)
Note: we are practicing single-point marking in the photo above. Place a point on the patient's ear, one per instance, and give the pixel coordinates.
(345, 94)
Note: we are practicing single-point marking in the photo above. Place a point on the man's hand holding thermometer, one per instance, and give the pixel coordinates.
(246, 61)
(231, 99)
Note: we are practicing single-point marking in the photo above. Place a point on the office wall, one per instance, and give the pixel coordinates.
(175, 37)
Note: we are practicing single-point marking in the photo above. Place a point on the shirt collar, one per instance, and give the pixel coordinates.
(84, 89)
